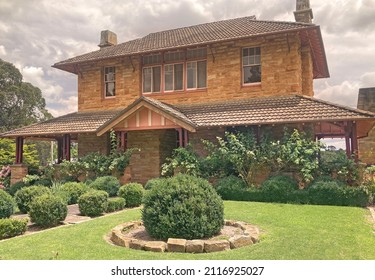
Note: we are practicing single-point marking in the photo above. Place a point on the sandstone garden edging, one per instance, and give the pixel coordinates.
(133, 235)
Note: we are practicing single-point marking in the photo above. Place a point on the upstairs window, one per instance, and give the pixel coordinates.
(173, 77)
(251, 67)
(196, 74)
(151, 79)
(109, 82)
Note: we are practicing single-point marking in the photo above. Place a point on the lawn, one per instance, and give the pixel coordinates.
(290, 232)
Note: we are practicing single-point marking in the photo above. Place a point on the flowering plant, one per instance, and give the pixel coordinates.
(4, 176)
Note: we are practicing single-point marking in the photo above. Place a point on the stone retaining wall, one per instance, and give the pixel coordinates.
(249, 235)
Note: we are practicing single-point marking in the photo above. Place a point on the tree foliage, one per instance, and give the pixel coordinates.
(21, 103)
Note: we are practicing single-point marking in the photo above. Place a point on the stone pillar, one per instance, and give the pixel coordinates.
(18, 172)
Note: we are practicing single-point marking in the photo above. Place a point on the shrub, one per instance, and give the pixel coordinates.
(48, 210)
(151, 183)
(331, 193)
(132, 193)
(15, 187)
(109, 184)
(11, 227)
(182, 207)
(93, 203)
(115, 204)
(6, 204)
(74, 191)
(231, 188)
(25, 195)
(279, 189)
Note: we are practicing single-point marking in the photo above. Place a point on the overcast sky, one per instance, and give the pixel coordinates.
(35, 34)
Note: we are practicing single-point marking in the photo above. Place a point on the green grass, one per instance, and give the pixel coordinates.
(290, 232)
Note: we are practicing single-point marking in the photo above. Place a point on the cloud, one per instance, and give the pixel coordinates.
(35, 34)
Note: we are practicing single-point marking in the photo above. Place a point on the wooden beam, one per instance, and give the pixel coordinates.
(19, 150)
(354, 141)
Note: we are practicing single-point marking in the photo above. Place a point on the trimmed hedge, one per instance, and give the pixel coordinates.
(48, 210)
(108, 184)
(115, 204)
(182, 207)
(7, 204)
(132, 193)
(74, 191)
(25, 195)
(150, 183)
(93, 203)
(276, 189)
(11, 227)
(15, 187)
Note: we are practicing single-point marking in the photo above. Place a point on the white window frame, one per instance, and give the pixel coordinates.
(196, 75)
(173, 77)
(252, 61)
(152, 79)
(108, 81)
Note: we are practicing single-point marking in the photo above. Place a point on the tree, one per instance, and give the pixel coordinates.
(21, 103)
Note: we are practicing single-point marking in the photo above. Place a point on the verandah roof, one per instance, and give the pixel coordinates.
(256, 111)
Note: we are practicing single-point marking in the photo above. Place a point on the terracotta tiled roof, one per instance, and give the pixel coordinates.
(272, 110)
(255, 111)
(196, 35)
(67, 124)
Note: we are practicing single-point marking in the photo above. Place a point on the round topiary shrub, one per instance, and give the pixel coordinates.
(150, 183)
(115, 204)
(108, 184)
(74, 191)
(93, 203)
(47, 210)
(15, 187)
(7, 204)
(132, 193)
(25, 195)
(182, 207)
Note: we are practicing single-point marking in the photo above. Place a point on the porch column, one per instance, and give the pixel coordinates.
(59, 150)
(186, 138)
(66, 147)
(348, 146)
(19, 150)
(180, 137)
(354, 141)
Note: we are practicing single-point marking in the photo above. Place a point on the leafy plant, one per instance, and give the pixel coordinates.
(11, 227)
(25, 196)
(115, 204)
(182, 207)
(132, 193)
(7, 204)
(108, 184)
(183, 160)
(48, 210)
(93, 203)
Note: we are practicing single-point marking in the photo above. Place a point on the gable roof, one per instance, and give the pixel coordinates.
(204, 34)
(256, 111)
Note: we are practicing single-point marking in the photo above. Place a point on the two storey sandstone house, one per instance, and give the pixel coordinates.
(177, 86)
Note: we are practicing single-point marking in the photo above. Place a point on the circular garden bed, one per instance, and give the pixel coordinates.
(233, 235)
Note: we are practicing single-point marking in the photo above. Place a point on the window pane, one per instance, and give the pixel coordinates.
(168, 77)
(202, 74)
(252, 74)
(178, 76)
(147, 80)
(110, 91)
(156, 77)
(191, 75)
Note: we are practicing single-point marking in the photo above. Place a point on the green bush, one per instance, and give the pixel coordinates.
(132, 193)
(150, 183)
(25, 195)
(48, 210)
(15, 187)
(182, 207)
(115, 204)
(74, 191)
(279, 189)
(109, 184)
(6, 204)
(93, 203)
(11, 227)
(331, 193)
(231, 188)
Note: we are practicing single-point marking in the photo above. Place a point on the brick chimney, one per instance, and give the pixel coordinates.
(303, 11)
(107, 39)
(366, 99)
